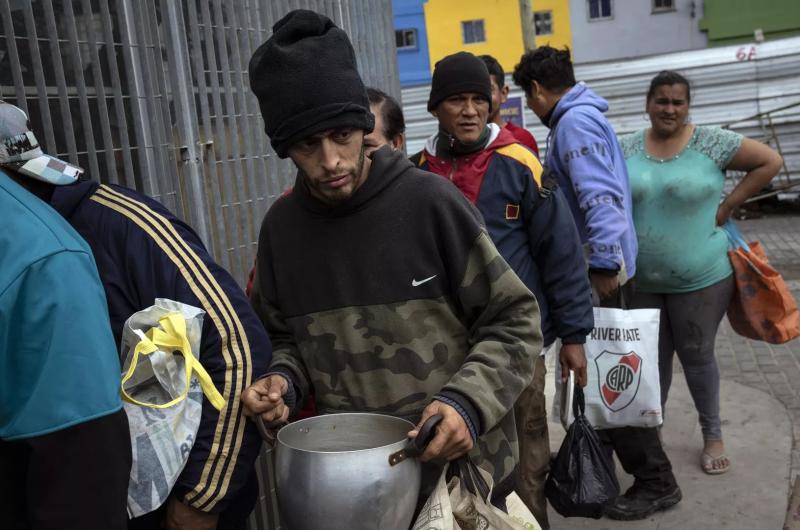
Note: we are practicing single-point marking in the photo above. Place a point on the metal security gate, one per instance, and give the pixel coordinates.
(154, 95)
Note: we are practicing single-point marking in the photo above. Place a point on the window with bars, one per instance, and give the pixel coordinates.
(599, 9)
(473, 31)
(406, 39)
(663, 5)
(543, 22)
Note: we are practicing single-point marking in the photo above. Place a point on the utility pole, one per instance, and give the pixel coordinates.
(528, 31)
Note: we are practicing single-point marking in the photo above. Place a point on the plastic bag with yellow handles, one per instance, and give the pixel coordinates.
(163, 384)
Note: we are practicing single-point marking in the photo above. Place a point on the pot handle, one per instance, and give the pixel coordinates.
(265, 433)
(416, 446)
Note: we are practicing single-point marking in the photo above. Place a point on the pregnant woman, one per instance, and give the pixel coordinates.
(677, 173)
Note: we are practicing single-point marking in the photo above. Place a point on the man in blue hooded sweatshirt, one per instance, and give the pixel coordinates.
(585, 157)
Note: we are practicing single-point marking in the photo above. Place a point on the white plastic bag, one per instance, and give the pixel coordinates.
(460, 505)
(162, 393)
(623, 388)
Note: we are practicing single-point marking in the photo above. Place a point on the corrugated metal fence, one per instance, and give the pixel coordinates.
(730, 85)
(154, 95)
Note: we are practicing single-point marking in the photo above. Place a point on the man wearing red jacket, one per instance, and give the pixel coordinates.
(497, 77)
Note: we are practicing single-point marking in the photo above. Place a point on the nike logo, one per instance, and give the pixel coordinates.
(415, 283)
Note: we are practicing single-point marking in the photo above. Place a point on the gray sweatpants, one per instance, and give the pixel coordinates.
(689, 323)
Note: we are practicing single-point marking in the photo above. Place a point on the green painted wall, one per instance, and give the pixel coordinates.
(733, 21)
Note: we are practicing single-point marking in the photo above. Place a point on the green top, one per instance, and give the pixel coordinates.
(675, 203)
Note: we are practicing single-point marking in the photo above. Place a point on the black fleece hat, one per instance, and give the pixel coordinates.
(306, 80)
(457, 73)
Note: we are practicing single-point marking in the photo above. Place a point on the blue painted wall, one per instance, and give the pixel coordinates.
(413, 64)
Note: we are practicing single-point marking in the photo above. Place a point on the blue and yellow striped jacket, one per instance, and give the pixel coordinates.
(144, 252)
(530, 224)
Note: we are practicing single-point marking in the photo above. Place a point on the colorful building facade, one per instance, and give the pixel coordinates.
(411, 38)
(427, 30)
(478, 26)
(740, 21)
(551, 21)
(612, 30)
(595, 30)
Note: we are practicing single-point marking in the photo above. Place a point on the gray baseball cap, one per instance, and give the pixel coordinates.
(20, 151)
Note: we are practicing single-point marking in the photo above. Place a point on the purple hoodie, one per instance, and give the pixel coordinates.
(584, 153)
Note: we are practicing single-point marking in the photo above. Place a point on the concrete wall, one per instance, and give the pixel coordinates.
(634, 30)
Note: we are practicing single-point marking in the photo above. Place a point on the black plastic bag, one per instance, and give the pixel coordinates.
(582, 478)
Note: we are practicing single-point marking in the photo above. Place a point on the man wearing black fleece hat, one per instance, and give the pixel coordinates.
(379, 287)
(529, 220)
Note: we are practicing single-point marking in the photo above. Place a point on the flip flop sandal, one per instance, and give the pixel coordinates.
(708, 464)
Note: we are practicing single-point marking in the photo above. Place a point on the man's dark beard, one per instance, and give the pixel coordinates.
(358, 171)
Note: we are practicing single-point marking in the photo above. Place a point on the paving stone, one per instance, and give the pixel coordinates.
(784, 390)
(764, 387)
(776, 378)
(747, 366)
(752, 377)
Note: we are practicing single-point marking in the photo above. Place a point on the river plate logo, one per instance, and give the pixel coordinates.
(619, 375)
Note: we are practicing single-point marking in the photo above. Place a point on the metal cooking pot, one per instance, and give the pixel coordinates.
(349, 471)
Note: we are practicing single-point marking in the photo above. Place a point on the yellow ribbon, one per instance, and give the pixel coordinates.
(170, 336)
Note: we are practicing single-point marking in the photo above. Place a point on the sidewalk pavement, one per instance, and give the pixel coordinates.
(760, 405)
(752, 495)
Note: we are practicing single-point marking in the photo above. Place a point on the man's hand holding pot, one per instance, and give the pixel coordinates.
(265, 398)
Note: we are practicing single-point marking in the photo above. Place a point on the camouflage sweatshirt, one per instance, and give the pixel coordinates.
(395, 296)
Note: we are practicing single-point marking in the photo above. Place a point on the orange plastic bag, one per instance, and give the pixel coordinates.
(762, 307)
